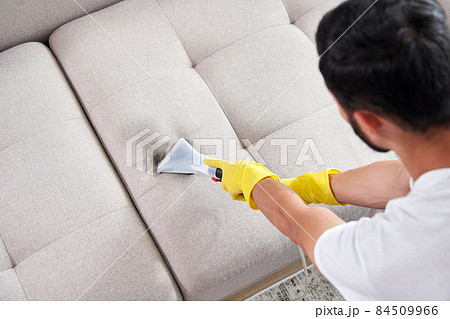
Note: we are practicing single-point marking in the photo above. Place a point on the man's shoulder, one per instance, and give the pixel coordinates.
(433, 181)
(429, 194)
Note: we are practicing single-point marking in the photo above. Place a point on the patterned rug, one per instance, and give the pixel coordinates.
(293, 287)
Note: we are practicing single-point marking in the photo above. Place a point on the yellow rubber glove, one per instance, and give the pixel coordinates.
(313, 187)
(239, 178)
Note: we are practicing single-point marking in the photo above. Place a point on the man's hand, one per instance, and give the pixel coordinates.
(313, 187)
(239, 178)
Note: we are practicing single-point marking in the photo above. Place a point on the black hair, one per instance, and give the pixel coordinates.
(394, 60)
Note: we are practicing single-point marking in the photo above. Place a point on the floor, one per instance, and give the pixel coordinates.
(319, 288)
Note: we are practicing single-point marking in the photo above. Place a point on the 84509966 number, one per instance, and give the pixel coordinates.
(407, 310)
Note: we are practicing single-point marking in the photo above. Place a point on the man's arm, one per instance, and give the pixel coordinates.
(372, 185)
(287, 212)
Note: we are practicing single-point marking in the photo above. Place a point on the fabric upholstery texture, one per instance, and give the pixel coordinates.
(219, 67)
(249, 76)
(24, 21)
(65, 216)
(225, 22)
(10, 286)
(296, 9)
(446, 5)
(309, 21)
(5, 260)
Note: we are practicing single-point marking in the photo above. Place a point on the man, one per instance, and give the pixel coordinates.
(390, 76)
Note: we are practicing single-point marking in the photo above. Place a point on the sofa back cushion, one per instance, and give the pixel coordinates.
(23, 21)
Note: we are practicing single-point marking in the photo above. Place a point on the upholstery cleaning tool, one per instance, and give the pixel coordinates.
(184, 159)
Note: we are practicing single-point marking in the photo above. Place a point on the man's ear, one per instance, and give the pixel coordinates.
(369, 122)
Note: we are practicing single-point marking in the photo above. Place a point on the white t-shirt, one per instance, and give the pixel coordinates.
(401, 254)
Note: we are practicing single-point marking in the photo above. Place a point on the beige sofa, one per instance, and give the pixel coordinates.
(74, 213)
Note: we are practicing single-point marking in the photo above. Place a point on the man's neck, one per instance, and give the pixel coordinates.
(420, 154)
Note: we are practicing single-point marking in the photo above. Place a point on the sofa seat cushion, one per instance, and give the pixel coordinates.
(243, 75)
(65, 216)
(218, 66)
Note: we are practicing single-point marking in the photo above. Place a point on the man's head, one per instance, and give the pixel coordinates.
(391, 68)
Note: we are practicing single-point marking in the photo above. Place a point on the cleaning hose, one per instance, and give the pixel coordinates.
(305, 271)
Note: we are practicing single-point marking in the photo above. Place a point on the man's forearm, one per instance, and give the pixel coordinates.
(287, 212)
(371, 186)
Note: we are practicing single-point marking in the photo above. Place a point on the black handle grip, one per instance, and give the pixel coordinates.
(218, 174)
